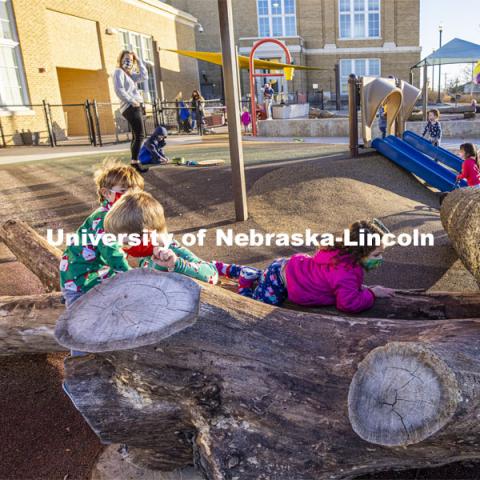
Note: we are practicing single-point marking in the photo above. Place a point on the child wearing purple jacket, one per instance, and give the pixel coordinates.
(333, 276)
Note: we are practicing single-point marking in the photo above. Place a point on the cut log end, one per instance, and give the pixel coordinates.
(130, 310)
(401, 394)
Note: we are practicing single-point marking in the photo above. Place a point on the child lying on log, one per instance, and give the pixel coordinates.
(84, 266)
(333, 276)
(138, 212)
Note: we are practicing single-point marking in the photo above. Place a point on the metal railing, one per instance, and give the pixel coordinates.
(99, 123)
(180, 117)
(89, 123)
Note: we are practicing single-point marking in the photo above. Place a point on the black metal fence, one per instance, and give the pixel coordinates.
(51, 125)
(180, 117)
(101, 123)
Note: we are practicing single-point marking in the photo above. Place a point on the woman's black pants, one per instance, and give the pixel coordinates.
(133, 115)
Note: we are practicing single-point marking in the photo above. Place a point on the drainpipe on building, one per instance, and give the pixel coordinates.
(338, 100)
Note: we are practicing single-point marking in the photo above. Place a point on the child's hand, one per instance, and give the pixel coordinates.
(164, 257)
(382, 292)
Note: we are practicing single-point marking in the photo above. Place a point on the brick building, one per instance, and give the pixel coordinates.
(366, 37)
(65, 51)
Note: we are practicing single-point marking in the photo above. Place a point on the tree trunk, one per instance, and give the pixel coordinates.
(460, 215)
(33, 251)
(27, 323)
(253, 391)
(37, 316)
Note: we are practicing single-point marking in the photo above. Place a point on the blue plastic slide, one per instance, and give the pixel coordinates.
(416, 162)
(438, 154)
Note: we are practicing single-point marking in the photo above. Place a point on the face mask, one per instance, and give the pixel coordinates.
(140, 251)
(117, 196)
(371, 263)
(127, 63)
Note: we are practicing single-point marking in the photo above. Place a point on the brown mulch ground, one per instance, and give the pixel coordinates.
(43, 435)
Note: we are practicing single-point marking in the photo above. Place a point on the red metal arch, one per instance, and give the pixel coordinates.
(253, 74)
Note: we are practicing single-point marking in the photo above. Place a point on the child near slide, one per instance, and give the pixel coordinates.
(333, 276)
(382, 120)
(138, 212)
(470, 165)
(433, 128)
(84, 266)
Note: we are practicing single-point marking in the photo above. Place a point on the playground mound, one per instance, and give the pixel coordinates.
(329, 195)
(332, 193)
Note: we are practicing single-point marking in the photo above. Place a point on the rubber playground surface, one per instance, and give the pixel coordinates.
(291, 186)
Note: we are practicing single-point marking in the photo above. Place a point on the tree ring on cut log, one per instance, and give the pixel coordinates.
(130, 310)
(401, 394)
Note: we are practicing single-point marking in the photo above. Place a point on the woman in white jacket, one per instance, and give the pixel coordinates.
(130, 70)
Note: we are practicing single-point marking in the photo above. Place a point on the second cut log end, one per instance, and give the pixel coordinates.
(401, 394)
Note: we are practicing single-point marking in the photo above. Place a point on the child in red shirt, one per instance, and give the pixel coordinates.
(470, 167)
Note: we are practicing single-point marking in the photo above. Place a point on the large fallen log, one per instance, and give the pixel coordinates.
(33, 251)
(253, 391)
(460, 215)
(27, 322)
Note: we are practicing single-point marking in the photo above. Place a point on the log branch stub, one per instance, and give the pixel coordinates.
(131, 310)
(31, 249)
(401, 394)
(27, 323)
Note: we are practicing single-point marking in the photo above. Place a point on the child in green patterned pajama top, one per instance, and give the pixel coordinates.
(85, 265)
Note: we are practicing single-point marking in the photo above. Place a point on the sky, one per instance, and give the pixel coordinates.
(460, 18)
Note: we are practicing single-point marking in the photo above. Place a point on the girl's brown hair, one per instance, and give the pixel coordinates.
(121, 55)
(196, 92)
(359, 233)
(135, 212)
(115, 173)
(436, 112)
(470, 151)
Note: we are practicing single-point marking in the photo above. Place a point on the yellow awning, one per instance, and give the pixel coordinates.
(243, 62)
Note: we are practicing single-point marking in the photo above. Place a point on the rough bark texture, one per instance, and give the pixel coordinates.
(460, 215)
(27, 323)
(244, 390)
(33, 251)
(253, 391)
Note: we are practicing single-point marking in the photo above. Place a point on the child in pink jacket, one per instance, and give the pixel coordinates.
(333, 276)
(470, 166)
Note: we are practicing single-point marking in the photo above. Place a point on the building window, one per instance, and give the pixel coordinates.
(143, 47)
(12, 77)
(362, 67)
(359, 18)
(276, 18)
